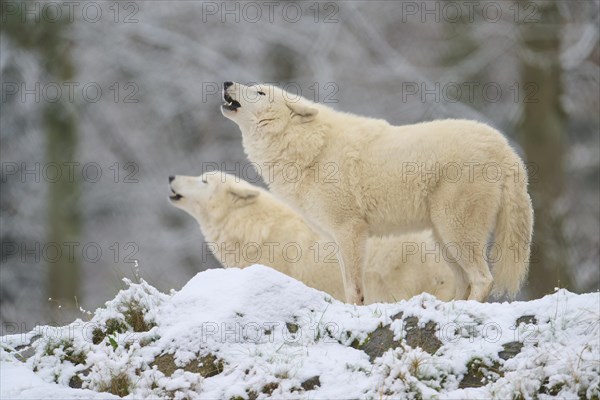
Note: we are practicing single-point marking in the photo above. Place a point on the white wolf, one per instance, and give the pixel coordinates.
(354, 177)
(244, 224)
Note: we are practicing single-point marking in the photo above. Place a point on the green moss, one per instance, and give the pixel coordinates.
(292, 327)
(98, 336)
(252, 395)
(119, 385)
(75, 357)
(478, 373)
(114, 325)
(134, 316)
(269, 388)
(50, 347)
(355, 344)
(70, 353)
(551, 390)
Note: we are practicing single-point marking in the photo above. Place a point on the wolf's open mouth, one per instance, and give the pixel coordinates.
(176, 196)
(230, 104)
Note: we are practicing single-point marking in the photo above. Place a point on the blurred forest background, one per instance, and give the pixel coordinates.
(124, 94)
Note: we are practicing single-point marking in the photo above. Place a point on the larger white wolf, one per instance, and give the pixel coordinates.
(244, 225)
(354, 177)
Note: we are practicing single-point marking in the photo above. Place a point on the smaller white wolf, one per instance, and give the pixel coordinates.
(245, 225)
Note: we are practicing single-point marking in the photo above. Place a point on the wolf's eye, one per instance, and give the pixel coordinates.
(262, 93)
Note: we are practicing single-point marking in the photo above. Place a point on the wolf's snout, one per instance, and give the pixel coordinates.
(174, 195)
(230, 103)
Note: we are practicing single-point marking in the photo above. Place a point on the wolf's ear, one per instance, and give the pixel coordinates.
(304, 110)
(243, 195)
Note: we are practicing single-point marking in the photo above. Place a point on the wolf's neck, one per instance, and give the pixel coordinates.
(293, 151)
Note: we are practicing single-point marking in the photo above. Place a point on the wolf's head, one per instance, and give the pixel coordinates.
(210, 195)
(265, 109)
(277, 127)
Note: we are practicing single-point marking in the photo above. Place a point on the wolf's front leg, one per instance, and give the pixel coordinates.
(351, 242)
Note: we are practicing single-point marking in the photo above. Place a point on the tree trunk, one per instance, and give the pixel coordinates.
(48, 40)
(63, 213)
(542, 133)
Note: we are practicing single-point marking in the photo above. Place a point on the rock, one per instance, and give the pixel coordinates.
(75, 382)
(26, 351)
(526, 319)
(382, 339)
(206, 366)
(311, 383)
(424, 338)
(511, 349)
(378, 342)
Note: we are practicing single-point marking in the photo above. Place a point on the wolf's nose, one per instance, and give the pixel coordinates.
(227, 84)
(171, 178)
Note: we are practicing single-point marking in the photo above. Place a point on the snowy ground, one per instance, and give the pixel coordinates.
(255, 333)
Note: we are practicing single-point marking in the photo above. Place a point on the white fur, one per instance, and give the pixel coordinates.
(354, 177)
(235, 215)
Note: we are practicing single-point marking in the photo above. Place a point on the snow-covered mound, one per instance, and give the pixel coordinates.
(255, 333)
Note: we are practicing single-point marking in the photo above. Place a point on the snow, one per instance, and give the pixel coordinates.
(271, 334)
(18, 381)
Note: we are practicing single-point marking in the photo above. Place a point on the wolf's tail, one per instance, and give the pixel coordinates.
(514, 227)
